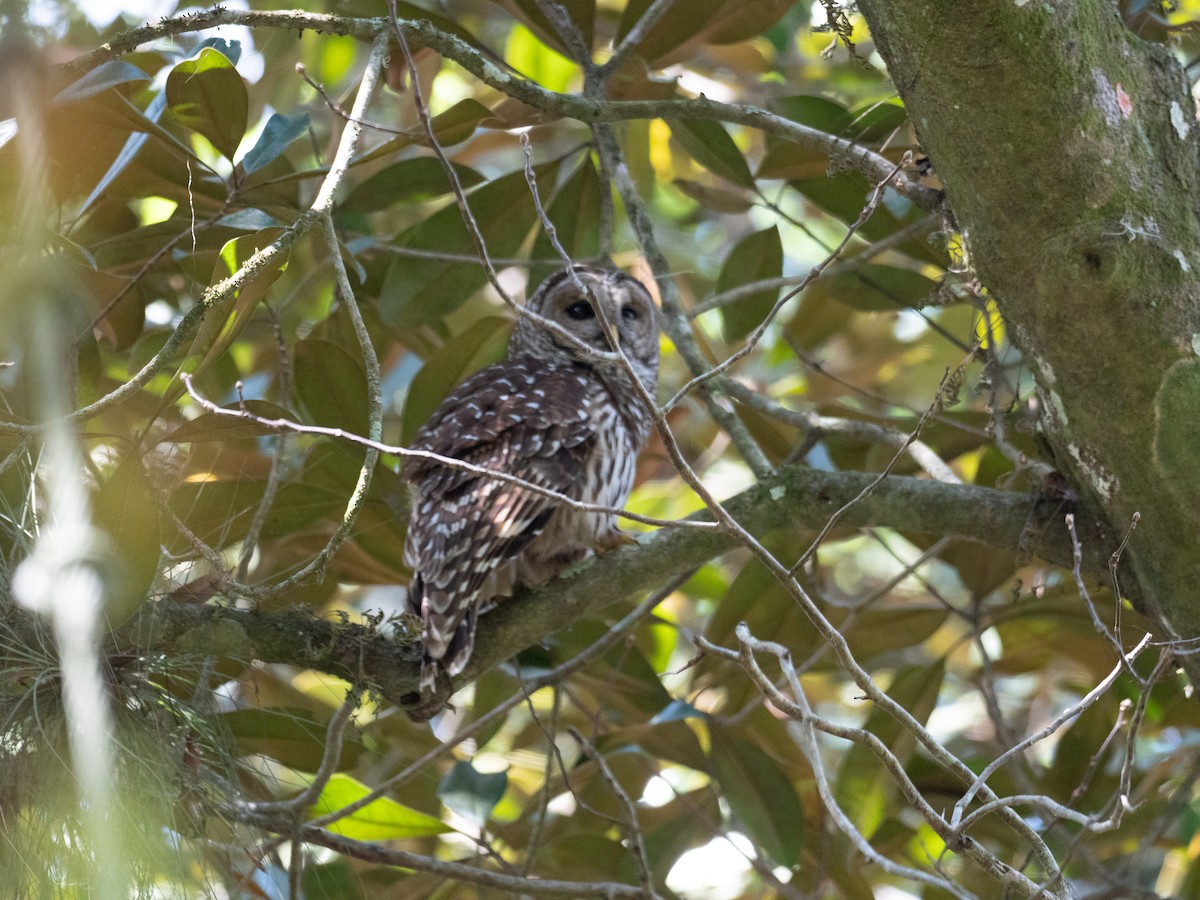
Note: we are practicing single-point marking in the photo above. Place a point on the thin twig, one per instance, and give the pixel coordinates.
(554, 676)
(813, 274)
(448, 461)
(1056, 723)
(633, 832)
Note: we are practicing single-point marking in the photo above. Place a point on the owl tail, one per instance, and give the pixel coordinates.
(455, 656)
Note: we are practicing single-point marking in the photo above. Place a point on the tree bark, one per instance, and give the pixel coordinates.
(1068, 150)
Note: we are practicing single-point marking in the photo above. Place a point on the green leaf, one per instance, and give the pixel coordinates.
(423, 291)
(331, 385)
(471, 793)
(480, 345)
(408, 181)
(212, 426)
(844, 197)
(758, 791)
(575, 214)
(686, 26)
(291, 735)
(380, 820)
(450, 127)
(864, 789)
(815, 112)
(110, 74)
(207, 95)
(277, 134)
(581, 12)
(756, 257)
(876, 288)
(538, 62)
(709, 144)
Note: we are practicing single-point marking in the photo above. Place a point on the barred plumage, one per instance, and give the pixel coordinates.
(551, 414)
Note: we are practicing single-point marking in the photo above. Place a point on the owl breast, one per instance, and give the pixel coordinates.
(605, 479)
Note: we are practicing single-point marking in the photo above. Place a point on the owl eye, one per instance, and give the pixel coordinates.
(628, 312)
(581, 311)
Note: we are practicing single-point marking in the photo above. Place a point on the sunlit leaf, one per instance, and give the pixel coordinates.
(582, 14)
(127, 511)
(380, 820)
(533, 59)
(225, 321)
(206, 94)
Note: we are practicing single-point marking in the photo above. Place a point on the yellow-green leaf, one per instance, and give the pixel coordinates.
(380, 820)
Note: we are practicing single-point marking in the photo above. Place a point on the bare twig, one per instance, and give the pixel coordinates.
(633, 832)
(956, 818)
(449, 461)
(335, 734)
(814, 273)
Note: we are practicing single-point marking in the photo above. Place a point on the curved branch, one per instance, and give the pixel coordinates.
(572, 106)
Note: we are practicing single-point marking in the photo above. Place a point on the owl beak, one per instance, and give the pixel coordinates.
(612, 336)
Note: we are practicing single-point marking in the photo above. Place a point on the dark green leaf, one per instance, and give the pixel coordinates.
(686, 26)
(206, 94)
(331, 386)
(277, 134)
(291, 735)
(408, 181)
(450, 127)
(575, 214)
(759, 794)
(756, 257)
(876, 288)
(815, 112)
(864, 789)
(471, 793)
(211, 426)
(249, 220)
(581, 12)
(844, 196)
(423, 291)
(709, 144)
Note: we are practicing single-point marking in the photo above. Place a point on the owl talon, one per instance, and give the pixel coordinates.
(614, 540)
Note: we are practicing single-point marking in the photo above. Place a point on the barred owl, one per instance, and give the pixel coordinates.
(552, 414)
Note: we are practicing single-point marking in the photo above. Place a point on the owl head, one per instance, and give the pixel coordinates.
(603, 310)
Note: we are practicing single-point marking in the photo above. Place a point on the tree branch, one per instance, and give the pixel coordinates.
(796, 499)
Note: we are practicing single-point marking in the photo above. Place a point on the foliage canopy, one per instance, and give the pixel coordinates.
(240, 242)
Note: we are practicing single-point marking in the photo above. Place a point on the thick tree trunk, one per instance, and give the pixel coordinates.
(1068, 150)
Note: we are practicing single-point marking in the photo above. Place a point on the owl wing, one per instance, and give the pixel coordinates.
(523, 417)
